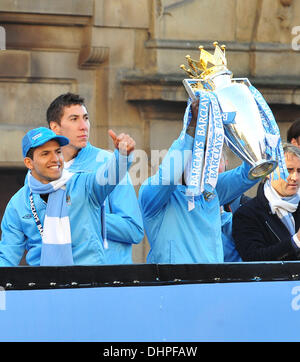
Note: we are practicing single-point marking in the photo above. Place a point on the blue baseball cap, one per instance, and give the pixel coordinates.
(38, 136)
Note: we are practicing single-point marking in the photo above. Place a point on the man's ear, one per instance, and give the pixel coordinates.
(294, 142)
(55, 127)
(28, 163)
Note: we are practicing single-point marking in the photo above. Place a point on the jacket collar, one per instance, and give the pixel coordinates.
(264, 201)
(261, 196)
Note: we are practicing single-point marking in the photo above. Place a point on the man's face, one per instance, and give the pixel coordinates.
(47, 164)
(290, 187)
(75, 125)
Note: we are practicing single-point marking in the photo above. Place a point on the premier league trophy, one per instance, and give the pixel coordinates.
(230, 110)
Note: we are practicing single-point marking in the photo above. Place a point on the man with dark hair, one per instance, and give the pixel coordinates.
(67, 115)
(65, 110)
(55, 216)
(267, 228)
(56, 109)
(293, 134)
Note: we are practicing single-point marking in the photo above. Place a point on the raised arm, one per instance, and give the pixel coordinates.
(156, 191)
(233, 183)
(112, 171)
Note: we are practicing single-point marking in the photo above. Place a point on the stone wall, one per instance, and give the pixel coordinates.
(123, 56)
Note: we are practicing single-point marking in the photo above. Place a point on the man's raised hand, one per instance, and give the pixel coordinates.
(123, 142)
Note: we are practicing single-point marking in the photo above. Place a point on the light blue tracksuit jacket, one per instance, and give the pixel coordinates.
(85, 195)
(175, 234)
(124, 223)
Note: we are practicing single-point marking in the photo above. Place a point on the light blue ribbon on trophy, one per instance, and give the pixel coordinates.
(272, 139)
(215, 140)
(186, 121)
(202, 171)
(194, 176)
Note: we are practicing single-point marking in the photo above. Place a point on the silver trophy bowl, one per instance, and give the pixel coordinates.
(245, 136)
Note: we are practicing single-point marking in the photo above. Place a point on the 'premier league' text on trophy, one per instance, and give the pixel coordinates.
(250, 129)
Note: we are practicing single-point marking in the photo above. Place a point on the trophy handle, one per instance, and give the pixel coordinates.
(245, 81)
(188, 88)
(189, 82)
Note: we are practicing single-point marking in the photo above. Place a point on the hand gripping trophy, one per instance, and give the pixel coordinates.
(230, 110)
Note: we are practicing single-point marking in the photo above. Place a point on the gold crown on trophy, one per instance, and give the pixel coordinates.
(208, 64)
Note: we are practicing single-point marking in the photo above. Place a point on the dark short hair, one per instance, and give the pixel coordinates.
(56, 109)
(293, 131)
(30, 152)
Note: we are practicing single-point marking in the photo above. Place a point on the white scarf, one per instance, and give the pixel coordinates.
(283, 207)
(56, 232)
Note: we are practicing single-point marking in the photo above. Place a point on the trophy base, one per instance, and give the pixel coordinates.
(262, 169)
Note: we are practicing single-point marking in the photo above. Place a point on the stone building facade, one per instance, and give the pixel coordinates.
(123, 57)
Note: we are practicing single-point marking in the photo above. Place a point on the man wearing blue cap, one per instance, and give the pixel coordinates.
(55, 215)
